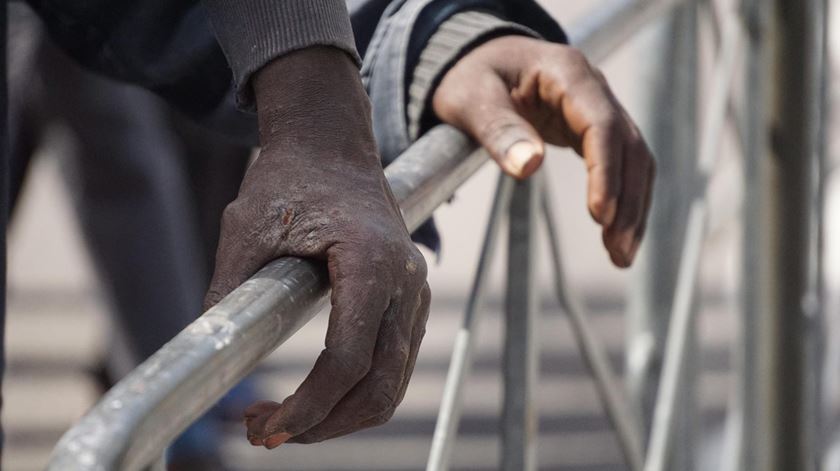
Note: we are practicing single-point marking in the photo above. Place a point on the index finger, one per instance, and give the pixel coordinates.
(595, 117)
(358, 305)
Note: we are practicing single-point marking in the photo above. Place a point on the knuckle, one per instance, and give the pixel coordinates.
(233, 213)
(350, 364)
(383, 398)
(415, 266)
(450, 103)
(611, 124)
(598, 203)
(573, 66)
(397, 256)
(573, 55)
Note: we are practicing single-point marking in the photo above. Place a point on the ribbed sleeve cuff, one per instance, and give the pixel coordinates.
(453, 39)
(252, 33)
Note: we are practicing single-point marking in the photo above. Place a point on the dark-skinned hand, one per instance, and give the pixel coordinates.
(513, 94)
(317, 190)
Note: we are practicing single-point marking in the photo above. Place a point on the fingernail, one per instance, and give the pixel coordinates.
(523, 158)
(276, 440)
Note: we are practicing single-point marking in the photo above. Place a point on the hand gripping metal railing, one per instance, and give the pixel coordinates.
(135, 421)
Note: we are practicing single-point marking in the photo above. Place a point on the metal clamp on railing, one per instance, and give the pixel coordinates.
(135, 421)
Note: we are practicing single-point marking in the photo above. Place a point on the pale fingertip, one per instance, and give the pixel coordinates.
(523, 159)
(276, 440)
(610, 211)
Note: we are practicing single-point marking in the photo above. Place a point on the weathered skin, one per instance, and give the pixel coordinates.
(318, 190)
(513, 94)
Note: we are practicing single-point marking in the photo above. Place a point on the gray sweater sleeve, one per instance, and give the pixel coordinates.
(254, 32)
(453, 39)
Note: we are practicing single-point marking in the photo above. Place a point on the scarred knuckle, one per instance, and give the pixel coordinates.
(415, 266)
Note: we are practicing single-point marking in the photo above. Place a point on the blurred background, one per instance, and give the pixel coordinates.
(60, 329)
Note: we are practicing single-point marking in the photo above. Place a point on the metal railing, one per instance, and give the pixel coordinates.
(134, 422)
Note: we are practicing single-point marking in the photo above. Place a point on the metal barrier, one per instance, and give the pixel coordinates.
(133, 423)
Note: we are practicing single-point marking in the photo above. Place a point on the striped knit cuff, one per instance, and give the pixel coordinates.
(453, 39)
(252, 33)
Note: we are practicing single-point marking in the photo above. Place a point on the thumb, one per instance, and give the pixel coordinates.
(508, 137)
(477, 99)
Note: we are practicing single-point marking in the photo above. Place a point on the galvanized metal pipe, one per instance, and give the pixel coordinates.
(520, 358)
(749, 364)
(823, 366)
(621, 416)
(670, 83)
(449, 414)
(607, 26)
(135, 421)
(679, 330)
(794, 38)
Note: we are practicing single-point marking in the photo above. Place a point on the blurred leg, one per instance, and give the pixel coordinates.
(215, 168)
(131, 195)
(136, 213)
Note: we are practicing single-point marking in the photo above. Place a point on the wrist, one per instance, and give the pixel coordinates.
(311, 106)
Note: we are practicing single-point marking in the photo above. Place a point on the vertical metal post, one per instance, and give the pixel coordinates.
(670, 126)
(519, 416)
(820, 327)
(777, 313)
(593, 353)
(792, 146)
(749, 364)
(449, 415)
